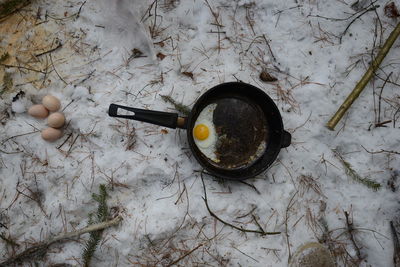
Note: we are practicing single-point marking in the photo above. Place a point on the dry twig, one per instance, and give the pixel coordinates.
(289, 206)
(184, 256)
(396, 246)
(350, 230)
(261, 232)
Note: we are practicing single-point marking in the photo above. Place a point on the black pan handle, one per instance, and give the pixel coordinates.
(286, 139)
(166, 119)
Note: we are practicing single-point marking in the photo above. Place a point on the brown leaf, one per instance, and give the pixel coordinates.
(266, 77)
(391, 10)
(188, 73)
(164, 131)
(160, 55)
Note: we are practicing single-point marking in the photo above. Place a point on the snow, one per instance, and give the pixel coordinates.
(19, 106)
(156, 184)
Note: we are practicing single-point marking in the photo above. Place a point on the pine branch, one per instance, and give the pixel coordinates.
(260, 231)
(102, 210)
(102, 215)
(178, 106)
(350, 172)
(90, 246)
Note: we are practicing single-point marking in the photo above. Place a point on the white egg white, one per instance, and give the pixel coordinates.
(208, 145)
(210, 140)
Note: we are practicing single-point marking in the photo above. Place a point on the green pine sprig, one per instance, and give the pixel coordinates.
(178, 106)
(101, 216)
(354, 175)
(102, 210)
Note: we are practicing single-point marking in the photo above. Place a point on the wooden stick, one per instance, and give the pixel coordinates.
(40, 248)
(396, 245)
(183, 256)
(350, 230)
(261, 232)
(365, 79)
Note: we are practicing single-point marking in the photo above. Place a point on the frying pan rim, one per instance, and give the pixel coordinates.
(246, 172)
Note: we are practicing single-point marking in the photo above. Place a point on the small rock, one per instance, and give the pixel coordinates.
(312, 254)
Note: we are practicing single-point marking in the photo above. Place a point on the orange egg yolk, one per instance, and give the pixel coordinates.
(201, 132)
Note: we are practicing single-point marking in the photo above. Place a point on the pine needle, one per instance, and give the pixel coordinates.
(350, 172)
(178, 106)
(101, 216)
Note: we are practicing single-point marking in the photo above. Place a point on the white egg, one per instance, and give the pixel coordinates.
(207, 146)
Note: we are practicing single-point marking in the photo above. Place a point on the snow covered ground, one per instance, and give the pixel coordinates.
(182, 49)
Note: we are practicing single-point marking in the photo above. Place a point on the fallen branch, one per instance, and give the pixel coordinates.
(250, 185)
(381, 151)
(18, 135)
(80, 9)
(373, 8)
(350, 230)
(22, 67)
(40, 249)
(261, 232)
(269, 47)
(379, 123)
(59, 76)
(288, 207)
(364, 80)
(49, 51)
(396, 246)
(184, 256)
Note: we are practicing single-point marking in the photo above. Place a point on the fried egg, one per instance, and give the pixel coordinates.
(204, 133)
